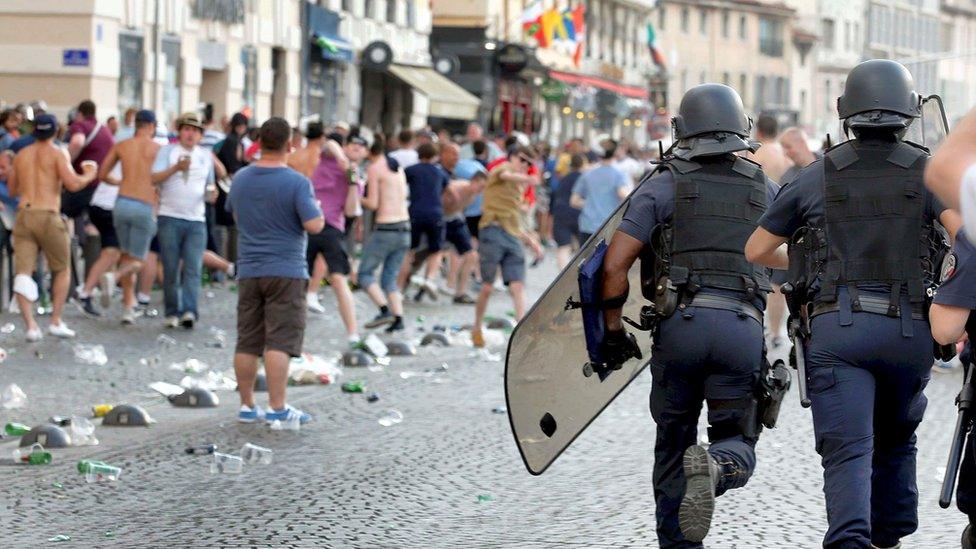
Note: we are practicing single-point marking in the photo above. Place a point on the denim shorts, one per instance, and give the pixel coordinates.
(387, 246)
(135, 225)
(497, 248)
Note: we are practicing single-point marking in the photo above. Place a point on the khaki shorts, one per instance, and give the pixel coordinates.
(270, 315)
(36, 231)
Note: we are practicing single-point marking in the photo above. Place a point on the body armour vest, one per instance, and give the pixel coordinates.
(718, 204)
(874, 219)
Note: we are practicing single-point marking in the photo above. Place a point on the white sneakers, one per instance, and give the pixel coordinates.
(61, 330)
(172, 322)
(129, 316)
(57, 330)
(312, 302)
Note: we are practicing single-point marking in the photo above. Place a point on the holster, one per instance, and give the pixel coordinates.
(774, 382)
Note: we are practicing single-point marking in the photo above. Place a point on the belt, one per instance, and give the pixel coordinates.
(869, 304)
(401, 227)
(722, 303)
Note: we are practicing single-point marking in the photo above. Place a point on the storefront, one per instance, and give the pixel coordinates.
(328, 57)
(403, 96)
(594, 105)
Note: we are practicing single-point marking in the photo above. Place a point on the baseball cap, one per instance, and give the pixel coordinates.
(358, 140)
(145, 116)
(344, 126)
(189, 119)
(45, 126)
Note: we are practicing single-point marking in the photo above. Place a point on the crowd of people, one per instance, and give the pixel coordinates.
(424, 214)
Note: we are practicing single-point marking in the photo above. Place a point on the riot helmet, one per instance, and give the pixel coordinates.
(879, 93)
(711, 121)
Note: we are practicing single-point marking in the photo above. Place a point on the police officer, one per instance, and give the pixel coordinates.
(868, 224)
(952, 317)
(688, 222)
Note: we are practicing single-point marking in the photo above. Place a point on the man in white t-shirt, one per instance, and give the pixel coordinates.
(182, 223)
(951, 173)
(405, 154)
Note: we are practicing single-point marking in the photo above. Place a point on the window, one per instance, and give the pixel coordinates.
(661, 17)
(391, 11)
(726, 79)
(684, 19)
(847, 35)
(743, 86)
(249, 58)
(946, 36)
(369, 10)
(702, 78)
(703, 21)
(347, 6)
(828, 33)
(725, 24)
(743, 29)
(411, 14)
(770, 37)
(684, 81)
(172, 77)
(857, 36)
(828, 96)
(130, 71)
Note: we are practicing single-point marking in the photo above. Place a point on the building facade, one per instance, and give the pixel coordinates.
(168, 55)
(744, 44)
(368, 62)
(957, 66)
(841, 46)
(908, 31)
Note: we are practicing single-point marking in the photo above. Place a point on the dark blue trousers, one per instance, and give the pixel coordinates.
(865, 383)
(966, 489)
(700, 355)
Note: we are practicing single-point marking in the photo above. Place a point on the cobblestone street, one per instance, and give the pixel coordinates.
(449, 475)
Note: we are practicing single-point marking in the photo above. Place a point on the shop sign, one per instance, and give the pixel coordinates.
(553, 91)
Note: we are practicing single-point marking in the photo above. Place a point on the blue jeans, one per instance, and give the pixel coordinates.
(720, 368)
(181, 240)
(386, 248)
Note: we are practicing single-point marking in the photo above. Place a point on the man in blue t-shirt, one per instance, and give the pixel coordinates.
(274, 208)
(427, 182)
(598, 192)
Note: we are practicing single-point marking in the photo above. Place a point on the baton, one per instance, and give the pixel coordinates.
(800, 361)
(963, 426)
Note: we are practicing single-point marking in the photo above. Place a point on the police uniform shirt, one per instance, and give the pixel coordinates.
(958, 288)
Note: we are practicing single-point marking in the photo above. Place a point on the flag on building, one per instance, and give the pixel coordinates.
(656, 54)
(532, 23)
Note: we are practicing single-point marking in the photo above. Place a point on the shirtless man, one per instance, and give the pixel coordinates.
(386, 194)
(775, 165)
(306, 159)
(134, 216)
(39, 171)
(461, 194)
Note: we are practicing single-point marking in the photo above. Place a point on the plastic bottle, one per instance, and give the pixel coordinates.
(35, 455)
(16, 429)
(390, 418)
(226, 464)
(252, 453)
(293, 424)
(97, 471)
(356, 386)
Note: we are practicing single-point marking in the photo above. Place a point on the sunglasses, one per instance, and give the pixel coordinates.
(524, 159)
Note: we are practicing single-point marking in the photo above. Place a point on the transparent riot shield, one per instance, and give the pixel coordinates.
(552, 393)
(930, 129)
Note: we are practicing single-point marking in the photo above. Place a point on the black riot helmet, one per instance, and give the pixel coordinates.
(879, 93)
(711, 120)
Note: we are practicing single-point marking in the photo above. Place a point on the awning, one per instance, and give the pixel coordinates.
(447, 99)
(576, 79)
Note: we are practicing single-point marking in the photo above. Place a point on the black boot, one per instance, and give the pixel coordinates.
(701, 476)
(969, 537)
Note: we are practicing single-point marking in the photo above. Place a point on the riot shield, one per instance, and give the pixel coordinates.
(930, 129)
(551, 392)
